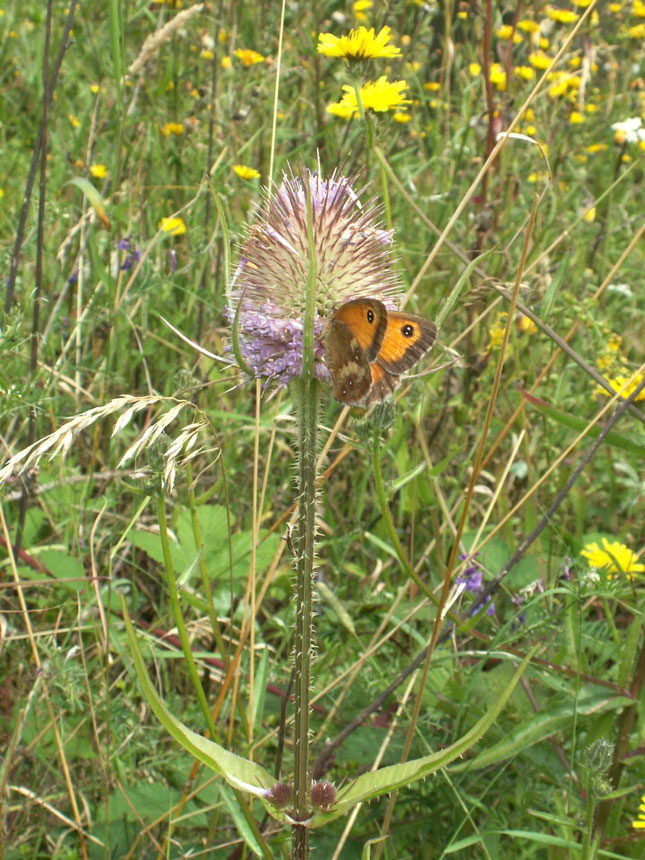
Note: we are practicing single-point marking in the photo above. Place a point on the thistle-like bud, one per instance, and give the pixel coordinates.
(323, 795)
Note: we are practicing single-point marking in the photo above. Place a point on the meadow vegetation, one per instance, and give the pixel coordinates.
(153, 441)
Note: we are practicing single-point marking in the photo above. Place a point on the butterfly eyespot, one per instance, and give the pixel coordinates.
(370, 315)
(407, 330)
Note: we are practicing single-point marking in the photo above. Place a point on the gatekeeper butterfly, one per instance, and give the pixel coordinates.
(368, 347)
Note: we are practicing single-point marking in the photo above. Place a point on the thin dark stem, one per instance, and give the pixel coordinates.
(35, 158)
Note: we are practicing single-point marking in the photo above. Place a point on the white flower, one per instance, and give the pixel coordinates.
(630, 130)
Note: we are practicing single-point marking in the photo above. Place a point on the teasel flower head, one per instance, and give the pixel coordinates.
(270, 282)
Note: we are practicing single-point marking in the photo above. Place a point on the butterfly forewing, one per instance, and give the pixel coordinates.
(406, 339)
(367, 320)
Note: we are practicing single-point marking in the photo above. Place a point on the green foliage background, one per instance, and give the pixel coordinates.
(86, 770)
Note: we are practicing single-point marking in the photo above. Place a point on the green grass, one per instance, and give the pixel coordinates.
(87, 770)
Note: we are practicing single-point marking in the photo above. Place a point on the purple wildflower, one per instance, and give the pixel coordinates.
(134, 254)
(472, 577)
(352, 261)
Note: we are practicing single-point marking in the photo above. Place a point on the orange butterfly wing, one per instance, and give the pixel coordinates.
(367, 320)
(407, 338)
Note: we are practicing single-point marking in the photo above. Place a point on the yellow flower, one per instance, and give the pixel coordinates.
(626, 382)
(172, 128)
(375, 95)
(615, 7)
(638, 9)
(526, 325)
(226, 62)
(614, 558)
(207, 54)
(597, 147)
(432, 86)
(98, 171)
(574, 62)
(525, 72)
(637, 32)
(528, 26)
(94, 88)
(529, 115)
(590, 215)
(496, 332)
(361, 7)
(245, 172)
(505, 32)
(498, 76)
(248, 57)
(558, 89)
(1, 193)
(581, 4)
(539, 60)
(575, 117)
(474, 69)
(75, 121)
(530, 130)
(361, 44)
(544, 43)
(174, 226)
(401, 117)
(463, 15)
(591, 108)
(562, 16)
(639, 823)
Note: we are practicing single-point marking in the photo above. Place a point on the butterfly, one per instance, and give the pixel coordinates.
(368, 347)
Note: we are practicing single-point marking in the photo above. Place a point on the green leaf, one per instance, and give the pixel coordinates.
(94, 198)
(618, 440)
(373, 784)
(241, 774)
(542, 726)
(240, 822)
(553, 287)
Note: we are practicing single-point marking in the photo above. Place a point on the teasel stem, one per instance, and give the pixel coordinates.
(308, 396)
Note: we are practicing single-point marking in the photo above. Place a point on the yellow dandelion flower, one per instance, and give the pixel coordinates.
(378, 96)
(498, 76)
(529, 114)
(581, 4)
(98, 171)
(614, 558)
(591, 108)
(361, 7)
(207, 54)
(562, 16)
(226, 63)
(245, 172)
(474, 69)
(172, 128)
(75, 121)
(462, 15)
(248, 57)
(94, 88)
(525, 72)
(626, 382)
(432, 86)
(401, 117)
(1, 193)
(574, 62)
(544, 43)
(615, 7)
(505, 32)
(530, 130)
(597, 147)
(174, 226)
(638, 9)
(361, 44)
(539, 60)
(590, 215)
(557, 90)
(526, 325)
(639, 823)
(528, 26)
(637, 32)
(575, 117)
